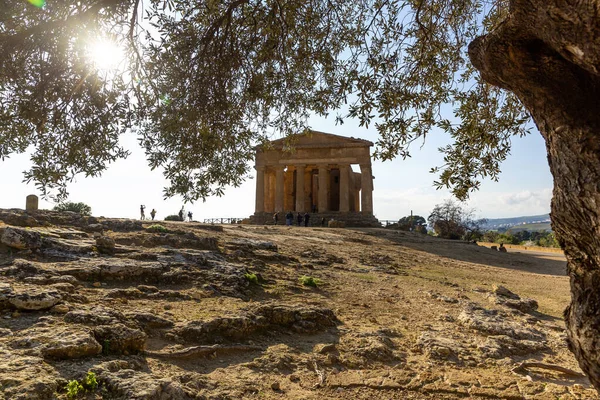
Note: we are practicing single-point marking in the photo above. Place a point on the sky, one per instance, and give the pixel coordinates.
(525, 185)
(400, 186)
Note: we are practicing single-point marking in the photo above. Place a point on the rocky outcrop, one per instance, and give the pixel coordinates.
(33, 299)
(20, 239)
(69, 343)
(495, 322)
(268, 317)
(132, 384)
(186, 241)
(503, 296)
(120, 339)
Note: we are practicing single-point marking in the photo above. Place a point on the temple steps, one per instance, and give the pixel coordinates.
(351, 219)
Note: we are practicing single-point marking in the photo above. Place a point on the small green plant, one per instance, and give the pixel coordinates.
(90, 382)
(157, 228)
(310, 281)
(74, 389)
(172, 218)
(106, 347)
(252, 278)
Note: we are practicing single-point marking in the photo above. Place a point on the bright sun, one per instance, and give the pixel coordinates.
(105, 54)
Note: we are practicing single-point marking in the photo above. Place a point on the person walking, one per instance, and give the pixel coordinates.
(142, 215)
(153, 214)
(306, 219)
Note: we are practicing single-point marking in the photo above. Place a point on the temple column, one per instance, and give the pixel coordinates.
(288, 189)
(279, 188)
(300, 188)
(344, 188)
(308, 189)
(323, 184)
(366, 196)
(260, 190)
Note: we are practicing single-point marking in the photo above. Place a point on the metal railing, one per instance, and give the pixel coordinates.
(387, 222)
(223, 220)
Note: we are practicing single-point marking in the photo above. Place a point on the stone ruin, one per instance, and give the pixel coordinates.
(315, 175)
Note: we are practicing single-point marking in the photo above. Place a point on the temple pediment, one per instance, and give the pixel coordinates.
(317, 139)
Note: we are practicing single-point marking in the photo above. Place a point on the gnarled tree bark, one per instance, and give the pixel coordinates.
(548, 53)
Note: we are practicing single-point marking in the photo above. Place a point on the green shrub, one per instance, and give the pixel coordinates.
(80, 208)
(172, 218)
(74, 389)
(157, 228)
(252, 278)
(90, 382)
(310, 281)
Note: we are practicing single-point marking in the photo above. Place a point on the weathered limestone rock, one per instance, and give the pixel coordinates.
(502, 291)
(252, 244)
(299, 319)
(493, 322)
(69, 343)
(94, 316)
(504, 346)
(137, 385)
(120, 339)
(185, 241)
(25, 377)
(440, 347)
(359, 349)
(20, 238)
(20, 218)
(150, 321)
(505, 297)
(33, 299)
(31, 203)
(105, 244)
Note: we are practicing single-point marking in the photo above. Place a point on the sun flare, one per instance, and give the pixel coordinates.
(105, 54)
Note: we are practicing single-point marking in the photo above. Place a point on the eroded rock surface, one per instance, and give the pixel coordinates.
(191, 311)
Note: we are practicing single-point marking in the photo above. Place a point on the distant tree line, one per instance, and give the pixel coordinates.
(527, 238)
(450, 220)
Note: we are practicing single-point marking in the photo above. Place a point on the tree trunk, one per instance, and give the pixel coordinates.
(548, 53)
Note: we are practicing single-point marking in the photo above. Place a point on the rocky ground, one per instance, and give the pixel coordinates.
(190, 311)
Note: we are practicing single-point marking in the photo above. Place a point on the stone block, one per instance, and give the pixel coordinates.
(31, 203)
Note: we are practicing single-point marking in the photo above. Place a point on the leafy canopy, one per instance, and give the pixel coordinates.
(451, 220)
(204, 82)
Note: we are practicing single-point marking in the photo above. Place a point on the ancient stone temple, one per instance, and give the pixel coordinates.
(316, 176)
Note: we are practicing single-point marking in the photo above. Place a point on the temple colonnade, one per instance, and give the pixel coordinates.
(313, 188)
(314, 174)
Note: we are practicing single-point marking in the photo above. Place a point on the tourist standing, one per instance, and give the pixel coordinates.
(153, 214)
(181, 214)
(306, 218)
(142, 215)
(190, 216)
(289, 217)
(275, 218)
(299, 219)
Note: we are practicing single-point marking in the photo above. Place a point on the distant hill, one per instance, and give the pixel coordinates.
(543, 220)
(535, 227)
